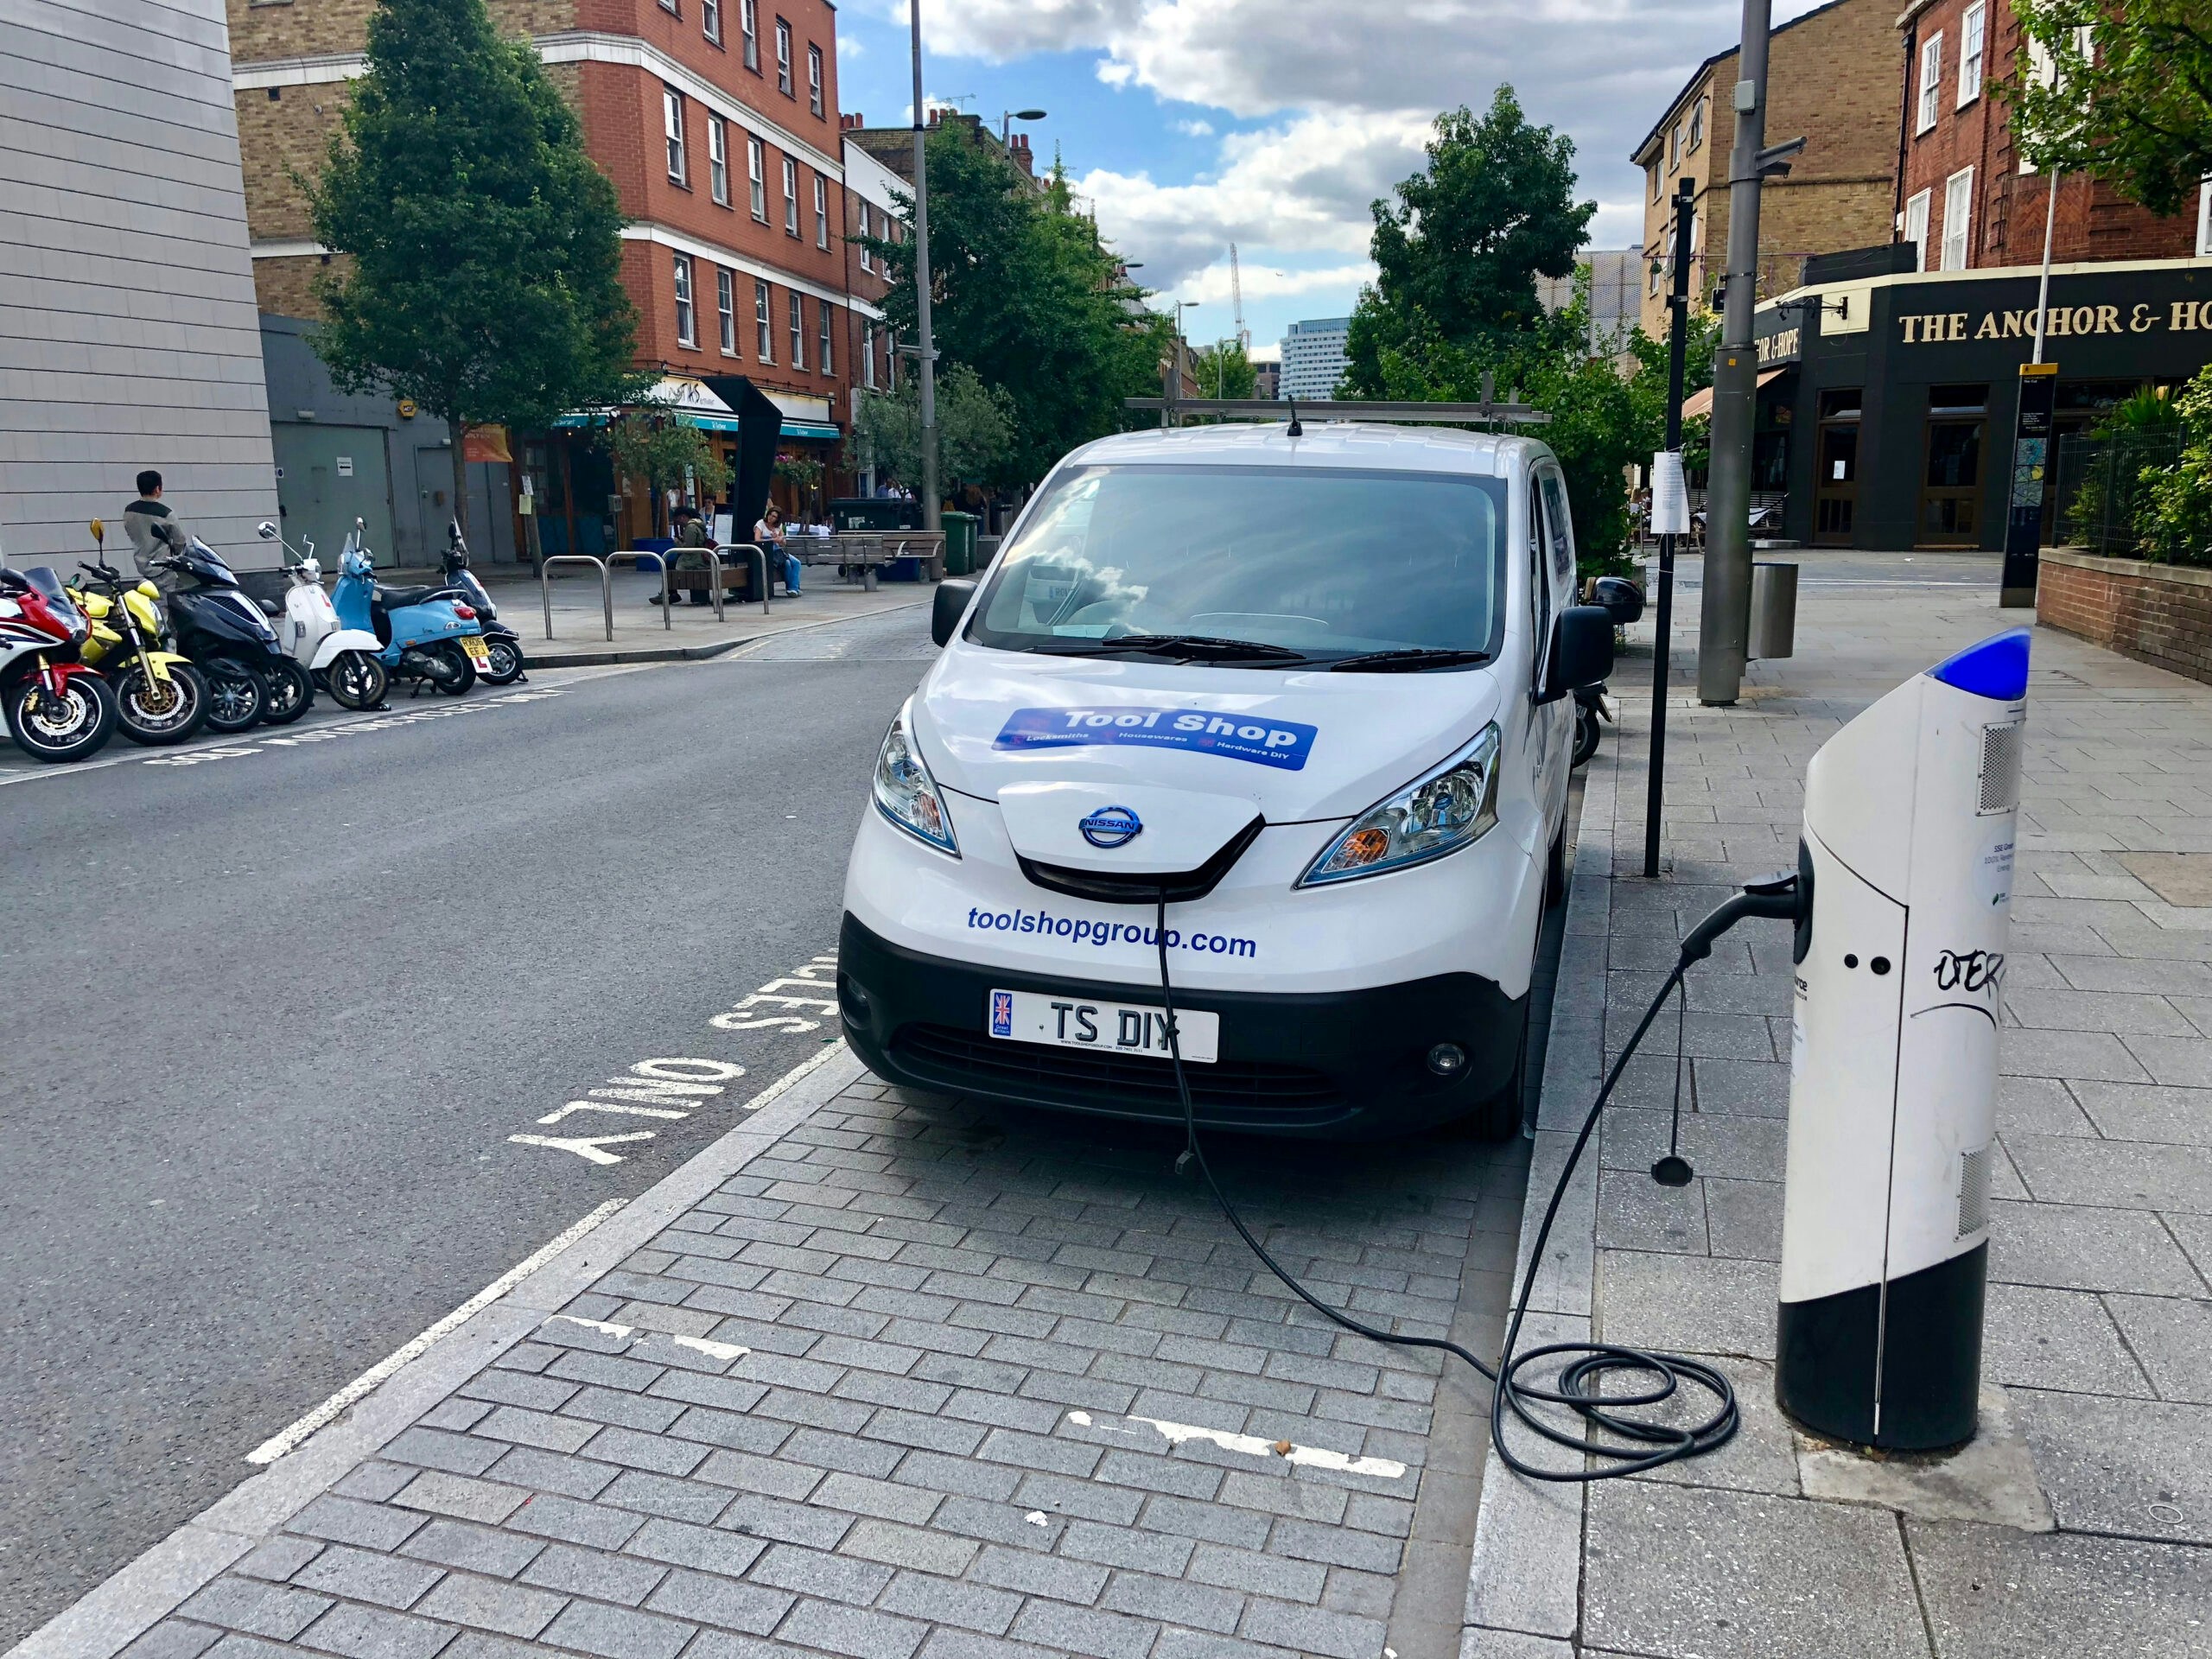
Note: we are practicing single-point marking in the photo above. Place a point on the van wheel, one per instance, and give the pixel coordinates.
(1556, 872)
(1499, 1118)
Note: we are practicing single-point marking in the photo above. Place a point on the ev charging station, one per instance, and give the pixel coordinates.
(1905, 883)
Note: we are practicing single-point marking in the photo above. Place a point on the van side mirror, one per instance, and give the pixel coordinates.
(1582, 650)
(951, 604)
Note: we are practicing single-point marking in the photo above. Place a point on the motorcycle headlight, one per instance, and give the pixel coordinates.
(1438, 813)
(906, 794)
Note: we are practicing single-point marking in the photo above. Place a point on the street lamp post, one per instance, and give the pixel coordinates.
(1007, 119)
(933, 517)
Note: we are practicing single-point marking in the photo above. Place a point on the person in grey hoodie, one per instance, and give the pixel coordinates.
(155, 533)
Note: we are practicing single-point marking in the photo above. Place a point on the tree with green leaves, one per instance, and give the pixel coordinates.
(975, 429)
(659, 445)
(1458, 253)
(2120, 91)
(481, 267)
(1223, 370)
(1024, 293)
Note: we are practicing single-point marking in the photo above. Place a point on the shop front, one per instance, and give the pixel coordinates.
(1890, 411)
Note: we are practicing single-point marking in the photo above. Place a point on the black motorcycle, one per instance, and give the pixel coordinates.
(249, 675)
(501, 643)
(1593, 705)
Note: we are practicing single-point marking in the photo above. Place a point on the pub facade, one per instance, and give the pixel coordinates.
(1887, 396)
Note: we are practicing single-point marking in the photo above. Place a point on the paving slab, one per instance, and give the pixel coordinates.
(2126, 1468)
(1761, 1577)
(1992, 1592)
(2071, 1247)
(1991, 1479)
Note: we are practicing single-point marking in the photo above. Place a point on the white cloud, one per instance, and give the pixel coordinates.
(1194, 129)
(1303, 187)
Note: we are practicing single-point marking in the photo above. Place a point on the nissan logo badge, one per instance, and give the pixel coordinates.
(1111, 826)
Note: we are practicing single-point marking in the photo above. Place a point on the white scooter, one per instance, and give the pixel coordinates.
(345, 661)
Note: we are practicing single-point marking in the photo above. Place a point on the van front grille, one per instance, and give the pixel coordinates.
(1229, 1093)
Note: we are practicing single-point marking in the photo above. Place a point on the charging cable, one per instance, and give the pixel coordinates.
(1590, 1368)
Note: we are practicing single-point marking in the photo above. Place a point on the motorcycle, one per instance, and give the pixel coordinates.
(429, 636)
(1594, 708)
(345, 661)
(57, 708)
(1593, 703)
(249, 676)
(503, 662)
(161, 698)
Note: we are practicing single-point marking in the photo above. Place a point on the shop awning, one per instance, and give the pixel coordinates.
(1700, 403)
(697, 403)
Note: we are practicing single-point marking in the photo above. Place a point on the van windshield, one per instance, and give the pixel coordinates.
(1323, 565)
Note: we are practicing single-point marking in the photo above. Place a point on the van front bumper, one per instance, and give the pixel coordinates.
(1334, 1064)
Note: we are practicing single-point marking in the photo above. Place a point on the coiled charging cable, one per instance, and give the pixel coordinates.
(1589, 1366)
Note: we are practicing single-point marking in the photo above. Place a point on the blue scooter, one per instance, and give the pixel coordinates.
(429, 636)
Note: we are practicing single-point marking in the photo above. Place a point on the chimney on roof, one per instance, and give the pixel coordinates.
(1018, 148)
(850, 122)
(936, 117)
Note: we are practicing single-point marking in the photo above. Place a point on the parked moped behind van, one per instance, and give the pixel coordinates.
(426, 637)
(345, 661)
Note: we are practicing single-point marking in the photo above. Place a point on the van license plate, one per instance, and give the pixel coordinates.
(1117, 1027)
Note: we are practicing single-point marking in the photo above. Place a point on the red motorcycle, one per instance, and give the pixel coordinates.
(57, 708)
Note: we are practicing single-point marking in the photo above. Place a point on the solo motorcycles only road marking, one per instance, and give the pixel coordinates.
(671, 1088)
(349, 729)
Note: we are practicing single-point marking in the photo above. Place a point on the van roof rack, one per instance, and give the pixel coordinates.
(1254, 408)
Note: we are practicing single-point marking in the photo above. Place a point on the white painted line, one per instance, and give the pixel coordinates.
(619, 1332)
(277, 1445)
(624, 1332)
(586, 1147)
(711, 1349)
(1252, 1446)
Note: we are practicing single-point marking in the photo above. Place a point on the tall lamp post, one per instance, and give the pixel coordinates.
(932, 511)
(1007, 119)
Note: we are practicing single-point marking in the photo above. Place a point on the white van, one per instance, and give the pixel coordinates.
(1314, 689)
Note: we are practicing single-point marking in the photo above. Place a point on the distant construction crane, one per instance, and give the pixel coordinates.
(1237, 294)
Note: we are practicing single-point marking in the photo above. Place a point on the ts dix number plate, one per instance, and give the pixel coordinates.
(1117, 1027)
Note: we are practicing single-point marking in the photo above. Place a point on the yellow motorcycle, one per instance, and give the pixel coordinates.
(160, 697)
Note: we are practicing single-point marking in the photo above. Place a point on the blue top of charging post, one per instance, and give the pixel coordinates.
(1997, 668)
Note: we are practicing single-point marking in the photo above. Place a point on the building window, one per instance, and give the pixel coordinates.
(756, 167)
(2204, 219)
(1675, 148)
(867, 254)
(726, 302)
(749, 25)
(783, 57)
(821, 211)
(790, 195)
(1971, 28)
(1697, 124)
(827, 359)
(813, 79)
(669, 6)
(671, 114)
(1915, 229)
(762, 325)
(711, 20)
(799, 330)
(1958, 218)
(1931, 81)
(868, 338)
(687, 325)
(718, 158)
(1653, 171)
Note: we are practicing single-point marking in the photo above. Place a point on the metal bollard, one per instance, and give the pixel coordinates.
(1774, 610)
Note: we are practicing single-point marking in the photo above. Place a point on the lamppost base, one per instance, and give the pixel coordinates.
(2017, 598)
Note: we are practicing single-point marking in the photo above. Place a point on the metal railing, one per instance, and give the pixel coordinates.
(606, 585)
(759, 554)
(667, 604)
(2099, 490)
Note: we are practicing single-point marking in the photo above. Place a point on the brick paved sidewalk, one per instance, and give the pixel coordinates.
(2099, 1349)
(927, 1378)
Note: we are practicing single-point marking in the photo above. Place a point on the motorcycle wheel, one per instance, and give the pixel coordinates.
(67, 728)
(460, 672)
(291, 692)
(356, 680)
(1586, 734)
(506, 662)
(236, 695)
(156, 714)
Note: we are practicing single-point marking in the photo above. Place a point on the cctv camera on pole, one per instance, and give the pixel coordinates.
(1910, 818)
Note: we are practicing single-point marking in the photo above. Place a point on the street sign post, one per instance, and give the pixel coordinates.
(2032, 460)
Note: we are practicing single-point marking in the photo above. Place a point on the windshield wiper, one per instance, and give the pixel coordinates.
(1185, 645)
(1406, 660)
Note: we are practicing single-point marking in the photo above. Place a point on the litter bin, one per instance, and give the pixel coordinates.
(960, 543)
(1774, 611)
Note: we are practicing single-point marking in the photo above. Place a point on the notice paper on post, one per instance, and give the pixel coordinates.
(1670, 496)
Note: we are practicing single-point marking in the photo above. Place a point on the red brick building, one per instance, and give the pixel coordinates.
(1965, 198)
(718, 123)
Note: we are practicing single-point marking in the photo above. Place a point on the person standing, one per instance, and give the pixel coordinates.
(691, 538)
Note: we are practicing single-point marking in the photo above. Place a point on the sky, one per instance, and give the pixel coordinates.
(1195, 123)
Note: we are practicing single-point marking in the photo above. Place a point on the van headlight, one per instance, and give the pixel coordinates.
(1438, 813)
(906, 794)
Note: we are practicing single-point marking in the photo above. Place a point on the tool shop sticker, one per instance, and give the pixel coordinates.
(1282, 743)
